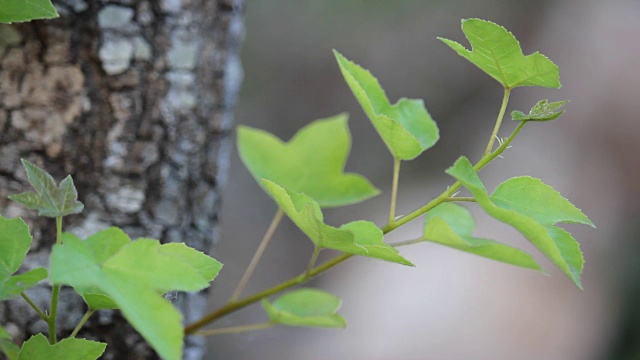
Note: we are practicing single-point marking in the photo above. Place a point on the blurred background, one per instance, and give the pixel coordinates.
(452, 305)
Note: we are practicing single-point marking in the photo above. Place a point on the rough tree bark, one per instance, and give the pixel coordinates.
(134, 99)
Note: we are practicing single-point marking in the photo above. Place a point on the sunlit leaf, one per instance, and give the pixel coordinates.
(111, 270)
(38, 348)
(14, 245)
(305, 307)
(405, 127)
(542, 111)
(497, 52)
(26, 10)
(533, 208)
(452, 225)
(49, 200)
(359, 237)
(311, 163)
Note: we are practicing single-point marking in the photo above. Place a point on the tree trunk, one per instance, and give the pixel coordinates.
(134, 99)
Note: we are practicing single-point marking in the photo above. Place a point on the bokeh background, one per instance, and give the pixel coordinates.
(452, 305)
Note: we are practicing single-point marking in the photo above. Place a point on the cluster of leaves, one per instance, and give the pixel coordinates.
(107, 269)
(307, 173)
(303, 176)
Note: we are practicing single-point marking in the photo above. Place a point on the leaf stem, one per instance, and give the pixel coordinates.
(394, 190)
(452, 189)
(84, 319)
(35, 307)
(55, 293)
(461, 198)
(234, 306)
(257, 256)
(239, 304)
(496, 128)
(234, 329)
(314, 258)
(407, 242)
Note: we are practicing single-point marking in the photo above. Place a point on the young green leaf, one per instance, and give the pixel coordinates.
(305, 307)
(26, 10)
(452, 225)
(38, 348)
(7, 347)
(132, 275)
(497, 52)
(405, 127)
(49, 200)
(542, 111)
(14, 245)
(359, 237)
(312, 162)
(533, 208)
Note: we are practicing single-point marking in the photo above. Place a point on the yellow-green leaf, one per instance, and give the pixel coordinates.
(497, 52)
(533, 208)
(305, 307)
(359, 237)
(405, 127)
(452, 225)
(311, 163)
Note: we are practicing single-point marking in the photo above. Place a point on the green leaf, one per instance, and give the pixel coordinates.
(49, 200)
(305, 307)
(360, 237)
(12, 286)
(497, 52)
(26, 10)
(405, 127)
(533, 208)
(542, 111)
(38, 348)
(7, 347)
(14, 245)
(312, 162)
(452, 225)
(132, 275)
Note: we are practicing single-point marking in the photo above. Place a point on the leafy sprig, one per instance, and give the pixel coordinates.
(302, 176)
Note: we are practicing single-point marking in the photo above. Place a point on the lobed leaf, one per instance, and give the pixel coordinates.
(38, 348)
(26, 10)
(49, 200)
(542, 111)
(7, 347)
(12, 286)
(360, 237)
(111, 271)
(305, 307)
(312, 162)
(14, 245)
(497, 52)
(533, 208)
(452, 225)
(405, 127)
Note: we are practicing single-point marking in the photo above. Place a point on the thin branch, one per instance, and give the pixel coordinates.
(461, 198)
(314, 258)
(496, 128)
(257, 256)
(394, 190)
(56, 291)
(84, 319)
(234, 329)
(35, 307)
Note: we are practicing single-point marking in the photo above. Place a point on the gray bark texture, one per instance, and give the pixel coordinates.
(134, 99)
